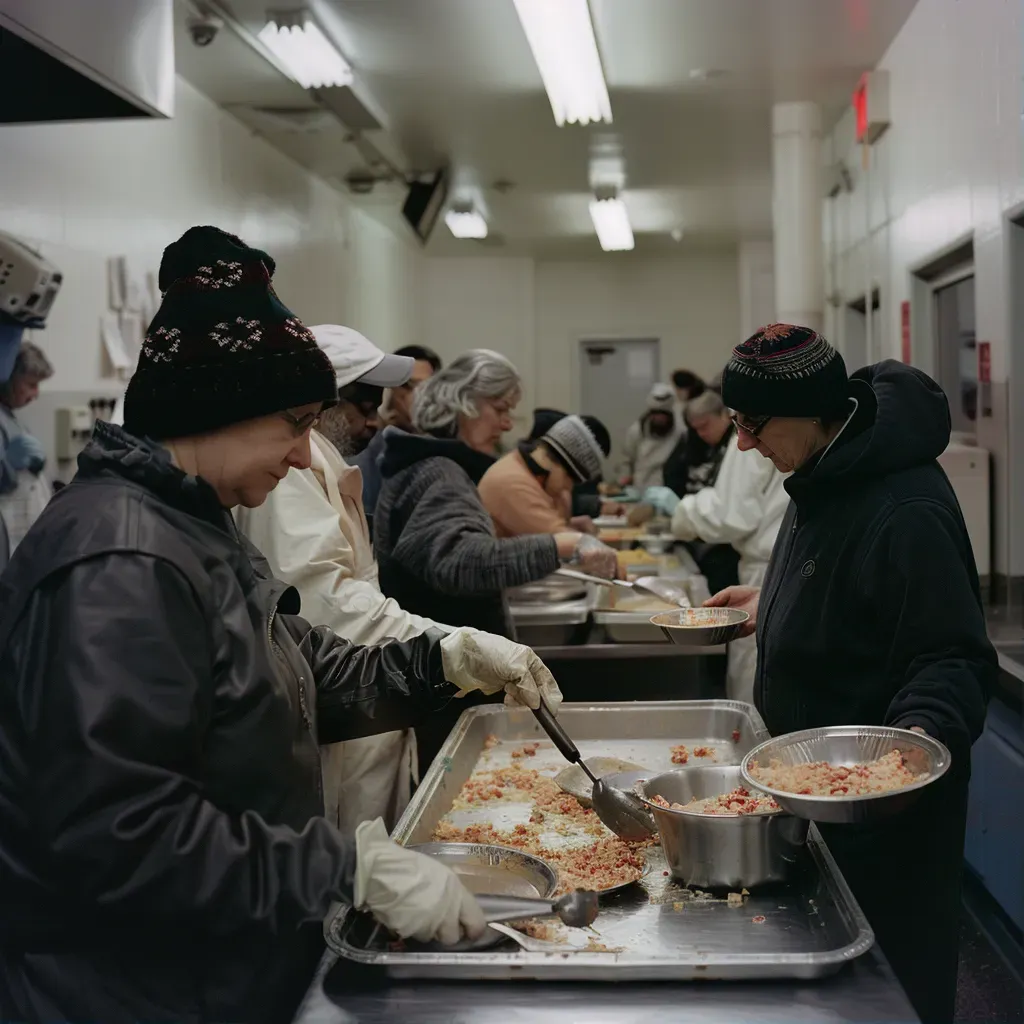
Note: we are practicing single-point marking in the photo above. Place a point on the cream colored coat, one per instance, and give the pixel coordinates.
(312, 530)
(744, 508)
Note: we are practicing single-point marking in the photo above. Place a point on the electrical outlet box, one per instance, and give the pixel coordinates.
(74, 428)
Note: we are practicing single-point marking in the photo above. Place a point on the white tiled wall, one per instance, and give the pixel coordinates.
(85, 192)
(949, 169)
(536, 313)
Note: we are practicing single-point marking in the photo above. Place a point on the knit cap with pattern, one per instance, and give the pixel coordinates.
(222, 347)
(785, 370)
(571, 438)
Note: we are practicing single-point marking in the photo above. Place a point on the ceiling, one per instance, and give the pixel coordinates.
(456, 83)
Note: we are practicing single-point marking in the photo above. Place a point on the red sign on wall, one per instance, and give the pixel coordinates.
(905, 331)
(984, 362)
(860, 107)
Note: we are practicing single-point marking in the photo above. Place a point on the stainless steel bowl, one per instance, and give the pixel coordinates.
(846, 745)
(721, 851)
(550, 590)
(701, 627)
(495, 870)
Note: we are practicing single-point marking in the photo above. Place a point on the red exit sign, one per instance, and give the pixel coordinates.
(871, 105)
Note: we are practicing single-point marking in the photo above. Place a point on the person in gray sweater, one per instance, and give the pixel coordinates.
(436, 547)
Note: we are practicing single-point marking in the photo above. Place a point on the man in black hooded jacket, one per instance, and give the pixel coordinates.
(870, 614)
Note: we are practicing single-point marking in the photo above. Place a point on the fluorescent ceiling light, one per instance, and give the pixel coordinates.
(561, 35)
(611, 222)
(310, 57)
(466, 224)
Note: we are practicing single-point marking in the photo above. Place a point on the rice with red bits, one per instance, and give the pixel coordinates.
(821, 778)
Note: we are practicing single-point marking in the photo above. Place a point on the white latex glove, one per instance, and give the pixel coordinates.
(410, 893)
(595, 558)
(474, 660)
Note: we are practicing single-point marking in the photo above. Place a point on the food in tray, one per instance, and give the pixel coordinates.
(681, 753)
(821, 778)
(626, 602)
(620, 534)
(594, 858)
(636, 557)
(739, 801)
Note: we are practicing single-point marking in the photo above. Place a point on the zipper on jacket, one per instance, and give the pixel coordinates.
(278, 652)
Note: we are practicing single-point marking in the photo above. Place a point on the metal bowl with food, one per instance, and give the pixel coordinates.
(839, 747)
(701, 627)
(720, 851)
(492, 870)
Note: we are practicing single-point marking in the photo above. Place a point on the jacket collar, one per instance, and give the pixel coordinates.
(403, 450)
(112, 451)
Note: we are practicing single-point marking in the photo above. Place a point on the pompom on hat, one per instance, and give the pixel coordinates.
(222, 347)
(785, 370)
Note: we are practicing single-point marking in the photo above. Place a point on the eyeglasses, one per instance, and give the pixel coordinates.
(752, 425)
(300, 424)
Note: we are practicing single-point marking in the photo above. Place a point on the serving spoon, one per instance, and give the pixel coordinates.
(654, 586)
(622, 812)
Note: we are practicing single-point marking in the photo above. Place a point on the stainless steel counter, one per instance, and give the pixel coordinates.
(864, 991)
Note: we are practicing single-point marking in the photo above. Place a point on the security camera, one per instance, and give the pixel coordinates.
(203, 28)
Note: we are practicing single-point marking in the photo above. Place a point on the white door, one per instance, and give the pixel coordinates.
(615, 380)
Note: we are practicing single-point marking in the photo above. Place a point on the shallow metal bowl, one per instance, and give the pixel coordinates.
(550, 590)
(701, 627)
(847, 745)
(495, 870)
(717, 851)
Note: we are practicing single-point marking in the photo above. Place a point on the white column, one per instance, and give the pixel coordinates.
(796, 214)
(757, 286)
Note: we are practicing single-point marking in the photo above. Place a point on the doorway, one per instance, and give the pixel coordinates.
(855, 332)
(956, 347)
(615, 379)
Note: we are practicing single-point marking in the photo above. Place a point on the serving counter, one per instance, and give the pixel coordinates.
(866, 990)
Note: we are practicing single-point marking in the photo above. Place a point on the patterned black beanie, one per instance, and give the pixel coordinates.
(783, 370)
(222, 347)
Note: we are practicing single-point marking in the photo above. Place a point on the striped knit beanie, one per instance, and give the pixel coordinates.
(222, 347)
(783, 370)
(572, 439)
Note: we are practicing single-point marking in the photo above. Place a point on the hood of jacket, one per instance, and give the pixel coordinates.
(902, 421)
(402, 450)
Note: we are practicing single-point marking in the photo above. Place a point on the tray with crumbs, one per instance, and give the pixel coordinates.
(655, 929)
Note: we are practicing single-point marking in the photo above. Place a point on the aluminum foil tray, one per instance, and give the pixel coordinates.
(653, 930)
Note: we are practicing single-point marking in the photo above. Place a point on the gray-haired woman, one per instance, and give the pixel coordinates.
(436, 546)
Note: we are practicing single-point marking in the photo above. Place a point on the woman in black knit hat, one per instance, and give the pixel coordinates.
(870, 614)
(161, 826)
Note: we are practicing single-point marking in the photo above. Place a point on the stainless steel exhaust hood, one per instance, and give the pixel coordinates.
(72, 60)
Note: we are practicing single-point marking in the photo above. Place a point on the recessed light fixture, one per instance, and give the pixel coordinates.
(466, 223)
(310, 57)
(561, 36)
(611, 222)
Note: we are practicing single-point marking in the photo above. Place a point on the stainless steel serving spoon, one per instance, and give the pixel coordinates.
(622, 812)
(576, 909)
(654, 586)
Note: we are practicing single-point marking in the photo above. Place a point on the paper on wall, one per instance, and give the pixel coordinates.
(136, 290)
(132, 330)
(113, 344)
(115, 282)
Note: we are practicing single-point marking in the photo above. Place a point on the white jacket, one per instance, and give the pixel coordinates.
(312, 530)
(744, 508)
(644, 455)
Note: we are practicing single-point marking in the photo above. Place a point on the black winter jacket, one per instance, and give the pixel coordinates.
(870, 614)
(162, 850)
(870, 611)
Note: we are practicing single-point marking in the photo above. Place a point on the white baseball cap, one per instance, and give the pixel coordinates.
(356, 358)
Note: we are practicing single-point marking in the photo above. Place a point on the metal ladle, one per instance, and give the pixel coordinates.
(654, 586)
(622, 812)
(576, 909)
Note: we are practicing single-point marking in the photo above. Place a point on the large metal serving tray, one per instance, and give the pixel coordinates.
(662, 931)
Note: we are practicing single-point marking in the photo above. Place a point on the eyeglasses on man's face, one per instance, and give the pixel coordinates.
(752, 425)
(300, 424)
